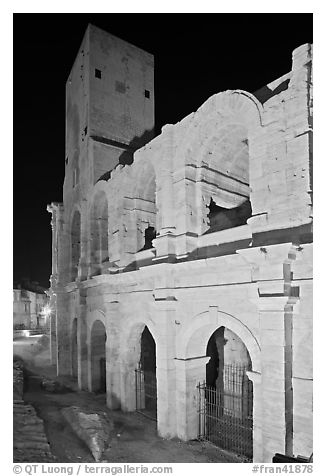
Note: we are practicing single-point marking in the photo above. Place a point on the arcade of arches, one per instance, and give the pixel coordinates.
(182, 282)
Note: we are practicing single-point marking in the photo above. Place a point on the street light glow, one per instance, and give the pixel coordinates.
(46, 311)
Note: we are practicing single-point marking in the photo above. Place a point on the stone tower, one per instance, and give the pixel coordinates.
(109, 109)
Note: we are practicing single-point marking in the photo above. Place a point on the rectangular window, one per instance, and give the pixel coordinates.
(147, 94)
(98, 73)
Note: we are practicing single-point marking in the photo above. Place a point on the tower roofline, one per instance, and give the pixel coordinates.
(90, 27)
(95, 27)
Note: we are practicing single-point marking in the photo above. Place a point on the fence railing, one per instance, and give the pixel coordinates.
(225, 413)
(146, 393)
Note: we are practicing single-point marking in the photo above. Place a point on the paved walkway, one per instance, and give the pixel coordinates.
(30, 441)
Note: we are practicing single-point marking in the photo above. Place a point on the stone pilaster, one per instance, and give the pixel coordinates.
(257, 431)
(63, 334)
(82, 341)
(113, 385)
(165, 369)
(185, 197)
(165, 240)
(276, 366)
(189, 372)
(53, 327)
(276, 298)
(127, 385)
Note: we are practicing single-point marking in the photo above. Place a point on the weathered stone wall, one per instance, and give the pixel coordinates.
(253, 279)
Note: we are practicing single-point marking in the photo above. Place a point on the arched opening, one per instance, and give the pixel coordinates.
(145, 206)
(220, 218)
(224, 176)
(98, 357)
(99, 245)
(75, 244)
(227, 396)
(74, 355)
(150, 234)
(146, 389)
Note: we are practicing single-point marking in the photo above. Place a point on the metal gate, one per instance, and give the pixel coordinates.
(225, 412)
(146, 393)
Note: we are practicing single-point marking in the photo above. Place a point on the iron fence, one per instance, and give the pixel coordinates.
(225, 412)
(146, 393)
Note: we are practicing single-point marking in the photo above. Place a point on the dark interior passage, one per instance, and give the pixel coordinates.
(214, 368)
(223, 218)
(98, 357)
(148, 351)
(146, 389)
(150, 235)
(226, 398)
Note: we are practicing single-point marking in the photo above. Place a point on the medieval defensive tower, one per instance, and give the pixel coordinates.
(109, 108)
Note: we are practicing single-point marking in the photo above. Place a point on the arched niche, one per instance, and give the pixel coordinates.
(193, 341)
(144, 205)
(98, 356)
(215, 152)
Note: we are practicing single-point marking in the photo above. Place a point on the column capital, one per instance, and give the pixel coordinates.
(273, 303)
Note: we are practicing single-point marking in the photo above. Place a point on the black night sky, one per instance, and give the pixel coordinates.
(196, 56)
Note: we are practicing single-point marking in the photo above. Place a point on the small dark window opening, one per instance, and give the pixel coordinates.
(147, 94)
(85, 131)
(223, 218)
(66, 160)
(98, 73)
(150, 234)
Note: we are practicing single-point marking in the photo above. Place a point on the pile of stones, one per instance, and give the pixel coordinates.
(18, 380)
(94, 428)
(30, 441)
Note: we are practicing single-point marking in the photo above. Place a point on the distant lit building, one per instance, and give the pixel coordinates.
(29, 308)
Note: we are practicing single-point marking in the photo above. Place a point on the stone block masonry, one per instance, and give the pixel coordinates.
(202, 239)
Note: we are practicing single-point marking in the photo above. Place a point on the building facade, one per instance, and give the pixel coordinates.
(188, 254)
(29, 309)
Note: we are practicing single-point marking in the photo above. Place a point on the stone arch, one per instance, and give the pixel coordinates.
(229, 108)
(132, 335)
(74, 349)
(75, 242)
(215, 152)
(99, 232)
(130, 358)
(192, 359)
(96, 315)
(194, 339)
(144, 203)
(98, 337)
